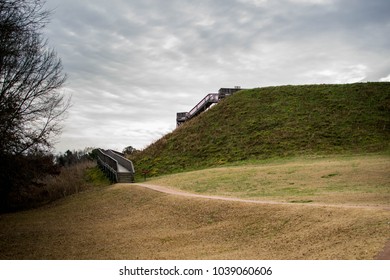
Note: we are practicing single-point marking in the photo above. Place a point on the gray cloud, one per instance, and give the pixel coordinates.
(133, 64)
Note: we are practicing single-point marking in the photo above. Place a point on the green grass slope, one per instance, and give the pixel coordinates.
(276, 122)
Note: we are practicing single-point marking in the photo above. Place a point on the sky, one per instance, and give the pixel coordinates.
(133, 64)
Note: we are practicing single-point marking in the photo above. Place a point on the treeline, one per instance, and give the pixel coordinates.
(70, 158)
(32, 179)
(21, 178)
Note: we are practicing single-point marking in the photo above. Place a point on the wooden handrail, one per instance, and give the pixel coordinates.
(205, 103)
(209, 98)
(121, 160)
(112, 163)
(116, 167)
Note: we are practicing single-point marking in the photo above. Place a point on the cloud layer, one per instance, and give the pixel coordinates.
(133, 64)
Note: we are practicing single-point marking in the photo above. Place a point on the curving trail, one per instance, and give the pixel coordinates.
(168, 190)
(383, 255)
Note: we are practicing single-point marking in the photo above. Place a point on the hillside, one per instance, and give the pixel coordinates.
(276, 122)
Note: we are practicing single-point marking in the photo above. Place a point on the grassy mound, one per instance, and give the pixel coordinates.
(276, 122)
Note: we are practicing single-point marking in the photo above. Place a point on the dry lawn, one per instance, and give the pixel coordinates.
(128, 222)
(353, 180)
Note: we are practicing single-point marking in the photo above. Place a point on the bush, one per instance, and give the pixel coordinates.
(21, 176)
(64, 182)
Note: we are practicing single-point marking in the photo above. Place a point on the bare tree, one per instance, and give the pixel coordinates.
(31, 107)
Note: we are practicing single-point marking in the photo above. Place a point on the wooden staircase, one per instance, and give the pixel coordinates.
(116, 167)
(204, 104)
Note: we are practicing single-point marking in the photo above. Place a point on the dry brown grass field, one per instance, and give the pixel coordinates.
(129, 222)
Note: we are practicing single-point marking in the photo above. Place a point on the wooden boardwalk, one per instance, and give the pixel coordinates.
(116, 167)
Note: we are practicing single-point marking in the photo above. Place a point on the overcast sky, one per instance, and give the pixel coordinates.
(132, 64)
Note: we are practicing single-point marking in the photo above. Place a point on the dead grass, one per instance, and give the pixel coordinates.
(357, 180)
(71, 180)
(128, 222)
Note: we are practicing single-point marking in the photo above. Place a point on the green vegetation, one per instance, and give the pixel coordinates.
(96, 177)
(350, 180)
(276, 122)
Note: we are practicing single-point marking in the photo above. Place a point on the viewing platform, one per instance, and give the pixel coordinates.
(205, 103)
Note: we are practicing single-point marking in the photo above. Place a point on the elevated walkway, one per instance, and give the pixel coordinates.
(116, 167)
(204, 104)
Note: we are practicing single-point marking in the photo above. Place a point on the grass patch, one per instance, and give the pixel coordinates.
(301, 201)
(331, 175)
(95, 176)
(363, 179)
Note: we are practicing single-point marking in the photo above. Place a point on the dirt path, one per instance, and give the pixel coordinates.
(383, 255)
(186, 194)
